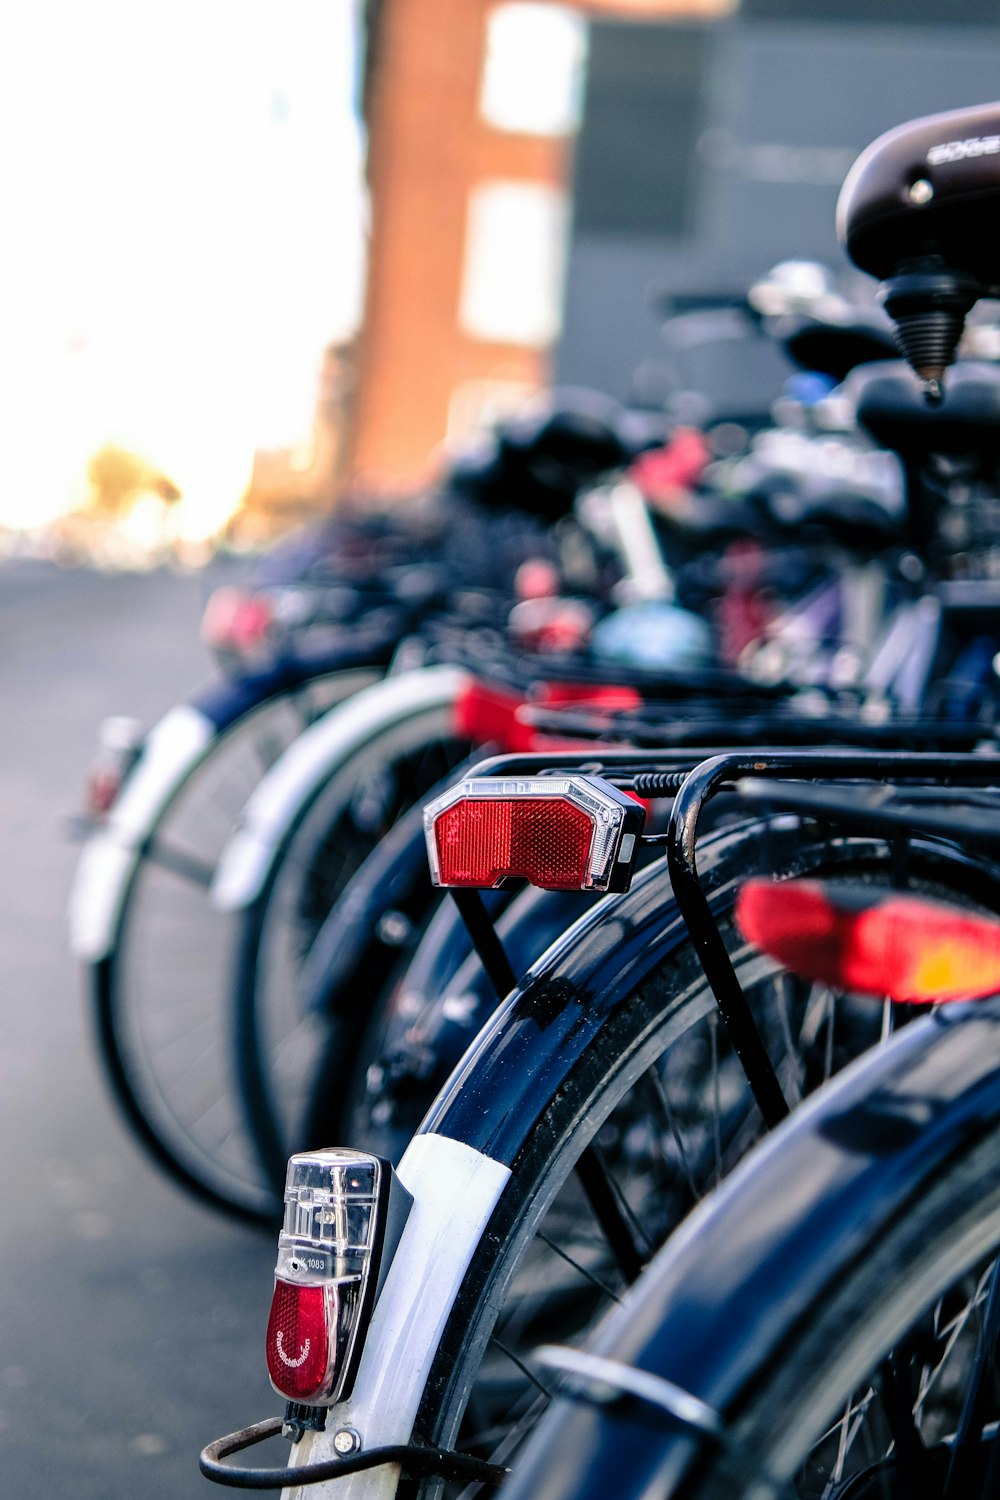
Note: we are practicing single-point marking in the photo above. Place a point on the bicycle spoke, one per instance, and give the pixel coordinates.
(973, 1415)
(847, 1429)
(794, 1082)
(589, 1275)
(678, 1139)
(524, 1368)
(177, 862)
(608, 1208)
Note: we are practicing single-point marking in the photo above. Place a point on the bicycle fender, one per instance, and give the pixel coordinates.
(730, 1285)
(229, 698)
(439, 1016)
(286, 792)
(455, 1191)
(171, 750)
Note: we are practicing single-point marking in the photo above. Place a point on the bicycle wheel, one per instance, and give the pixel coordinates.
(657, 1111)
(847, 1341)
(278, 1047)
(905, 1326)
(160, 992)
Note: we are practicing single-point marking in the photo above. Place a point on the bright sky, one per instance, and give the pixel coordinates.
(180, 235)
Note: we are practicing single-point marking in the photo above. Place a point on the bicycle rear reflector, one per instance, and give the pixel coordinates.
(882, 943)
(344, 1213)
(119, 742)
(563, 833)
(236, 621)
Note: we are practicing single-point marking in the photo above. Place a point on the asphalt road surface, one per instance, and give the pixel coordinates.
(131, 1320)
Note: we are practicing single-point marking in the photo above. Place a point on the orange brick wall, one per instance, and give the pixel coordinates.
(427, 149)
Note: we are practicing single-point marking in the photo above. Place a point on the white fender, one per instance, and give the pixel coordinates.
(455, 1190)
(300, 774)
(172, 749)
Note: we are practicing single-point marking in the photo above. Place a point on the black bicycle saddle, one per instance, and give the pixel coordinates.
(928, 188)
(835, 349)
(919, 210)
(889, 406)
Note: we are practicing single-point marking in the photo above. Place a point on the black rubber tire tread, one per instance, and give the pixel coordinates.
(110, 998)
(661, 1010)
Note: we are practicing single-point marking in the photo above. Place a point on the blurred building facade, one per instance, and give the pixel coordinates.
(472, 108)
(540, 174)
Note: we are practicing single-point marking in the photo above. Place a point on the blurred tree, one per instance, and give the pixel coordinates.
(117, 478)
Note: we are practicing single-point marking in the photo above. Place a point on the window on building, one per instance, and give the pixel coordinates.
(533, 68)
(635, 163)
(515, 253)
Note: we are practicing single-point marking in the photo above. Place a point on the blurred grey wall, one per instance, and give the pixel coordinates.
(710, 152)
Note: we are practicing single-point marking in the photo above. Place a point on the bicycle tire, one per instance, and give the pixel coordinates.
(277, 1047)
(837, 1343)
(906, 1269)
(655, 1027)
(162, 1032)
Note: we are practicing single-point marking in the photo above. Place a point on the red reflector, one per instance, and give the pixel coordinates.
(543, 840)
(298, 1340)
(236, 621)
(484, 713)
(101, 790)
(869, 942)
(536, 579)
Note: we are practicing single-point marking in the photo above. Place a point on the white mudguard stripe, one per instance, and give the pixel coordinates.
(308, 764)
(172, 748)
(455, 1191)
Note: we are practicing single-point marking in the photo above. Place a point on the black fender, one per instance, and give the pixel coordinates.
(445, 998)
(355, 945)
(501, 1088)
(224, 700)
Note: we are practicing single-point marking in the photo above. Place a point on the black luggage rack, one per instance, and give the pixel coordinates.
(691, 779)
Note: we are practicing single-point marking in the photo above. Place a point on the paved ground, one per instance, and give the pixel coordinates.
(131, 1321)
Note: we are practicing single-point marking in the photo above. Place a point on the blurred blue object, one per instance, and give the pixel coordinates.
(808, 387)
(654, 635)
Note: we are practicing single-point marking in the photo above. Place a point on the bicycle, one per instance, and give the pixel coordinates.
(617, 1018)
(568, 1048)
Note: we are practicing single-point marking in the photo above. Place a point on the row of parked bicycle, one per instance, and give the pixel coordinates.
(551, 841)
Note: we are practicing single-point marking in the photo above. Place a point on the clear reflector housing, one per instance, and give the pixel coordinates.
(342, 1219)
(882, 943)
(565, 833)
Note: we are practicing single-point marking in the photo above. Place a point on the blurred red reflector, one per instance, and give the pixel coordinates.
(543, 840)
(236, 621)
(882, 943)
(101, 790)
(298, 1340)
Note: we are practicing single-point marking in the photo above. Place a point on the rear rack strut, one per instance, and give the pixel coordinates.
(416, 1459)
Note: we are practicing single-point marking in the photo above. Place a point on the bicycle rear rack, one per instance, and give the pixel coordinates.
(692, 778)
